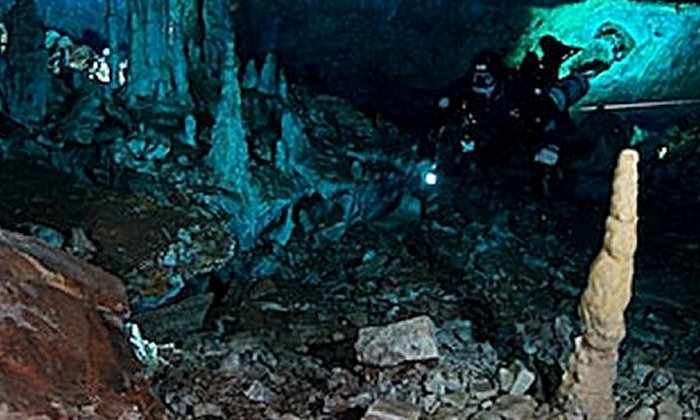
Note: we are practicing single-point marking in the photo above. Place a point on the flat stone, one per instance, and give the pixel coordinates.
(482, 389)
(404, 341)
(506, 378)
(457, 400)
(642, 413)
(208, 409)
(171, 321)
(259, 393)
(523, 381)
(515, 407)
(669, 410)
(487, 415)
(391, 410)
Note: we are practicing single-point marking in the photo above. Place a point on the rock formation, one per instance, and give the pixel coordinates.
(23, 67)
(156, 68)
(228, 156)
(63, 351)
(587, 387)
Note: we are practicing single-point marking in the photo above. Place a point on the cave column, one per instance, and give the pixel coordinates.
(157, 65)
(177, 47)
(218, 28)
(113, 39)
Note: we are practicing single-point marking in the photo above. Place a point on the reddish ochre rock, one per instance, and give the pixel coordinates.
(62, 351)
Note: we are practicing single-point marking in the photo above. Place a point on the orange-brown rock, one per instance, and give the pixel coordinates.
(62, 351)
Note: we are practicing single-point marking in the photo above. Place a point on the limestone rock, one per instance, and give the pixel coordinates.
(170, 322)
(156, 57)
(61, 334)
(642, 413)
(506, 378)
(523, 381)
(390, 410)
(669, 410)
(81, 123)
(228, 156)
(483, 389)
(47, 234)
(513, 407)
(80, 245)
(259, 393)
(250, 76)
(268, 76)
(190, 136)
(25, 78)
(405, 341)
(588, 385)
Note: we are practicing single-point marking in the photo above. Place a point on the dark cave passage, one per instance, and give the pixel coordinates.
(348, 212)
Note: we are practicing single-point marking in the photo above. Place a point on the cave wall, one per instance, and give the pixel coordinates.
(395, 55)
(664, 64)
(74, 17)
(391, 55)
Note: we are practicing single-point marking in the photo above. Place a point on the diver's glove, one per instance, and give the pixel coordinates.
(467, 145)
(548, 155)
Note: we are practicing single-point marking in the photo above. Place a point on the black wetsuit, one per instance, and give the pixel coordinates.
(522, 115)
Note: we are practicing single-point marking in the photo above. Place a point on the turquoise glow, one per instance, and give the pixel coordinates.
(664, 64)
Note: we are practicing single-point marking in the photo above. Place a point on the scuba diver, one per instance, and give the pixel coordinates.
(512, 117)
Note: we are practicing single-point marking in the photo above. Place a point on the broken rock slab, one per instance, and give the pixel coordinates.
(168, 323)
(405, 341)
(391, 410)
(63, 351)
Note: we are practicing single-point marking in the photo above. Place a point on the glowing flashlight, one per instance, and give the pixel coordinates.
(662, 152)
(426, 173)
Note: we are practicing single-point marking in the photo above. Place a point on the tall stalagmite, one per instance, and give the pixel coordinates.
(587, 388)
(228, 156)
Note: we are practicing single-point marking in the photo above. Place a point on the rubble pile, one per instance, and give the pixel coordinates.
(393, 336)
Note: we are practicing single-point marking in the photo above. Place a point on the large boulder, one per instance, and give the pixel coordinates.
(62, 350)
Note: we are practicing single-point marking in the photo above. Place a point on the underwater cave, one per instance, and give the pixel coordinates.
(350, 209)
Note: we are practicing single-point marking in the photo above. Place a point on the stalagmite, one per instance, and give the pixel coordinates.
(587, 387)
(228, 156)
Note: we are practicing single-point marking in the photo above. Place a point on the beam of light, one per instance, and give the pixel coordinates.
(632, 106)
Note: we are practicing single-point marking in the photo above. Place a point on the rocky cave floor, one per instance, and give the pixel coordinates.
(498, 272)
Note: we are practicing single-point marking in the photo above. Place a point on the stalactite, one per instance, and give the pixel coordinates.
(113, 39)
(177, 48)
(157, 68)
(218, 29)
